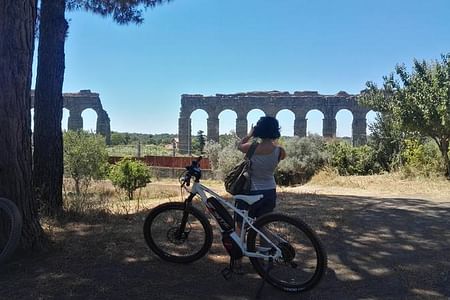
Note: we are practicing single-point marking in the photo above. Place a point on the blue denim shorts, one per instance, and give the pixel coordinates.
(263, 206)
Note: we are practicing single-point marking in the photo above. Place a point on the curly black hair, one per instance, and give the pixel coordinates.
(267, 128)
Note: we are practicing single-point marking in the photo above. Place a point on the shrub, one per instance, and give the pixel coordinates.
(228, 157)
(85, 158)
(386, 138)
(305, 156)
(130, 175)
(228, 139)
(421, 158)
(212, 150)
(349, 160)
(223, 158)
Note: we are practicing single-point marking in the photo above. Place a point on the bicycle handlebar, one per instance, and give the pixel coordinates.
(193, 170)
(197, 161)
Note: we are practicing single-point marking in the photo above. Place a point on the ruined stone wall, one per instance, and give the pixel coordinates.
(300, 103)
(76, 103)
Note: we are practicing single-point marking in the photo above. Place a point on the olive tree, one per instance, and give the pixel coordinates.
(85, 157)
(419, 100)
(305, 156)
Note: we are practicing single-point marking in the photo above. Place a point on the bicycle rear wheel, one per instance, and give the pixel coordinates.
(304, 260)
(175, 240)
(10, 228)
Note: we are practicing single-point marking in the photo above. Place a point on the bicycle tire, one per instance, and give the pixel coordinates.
(320, 259)
(149, 227)
(15, 231)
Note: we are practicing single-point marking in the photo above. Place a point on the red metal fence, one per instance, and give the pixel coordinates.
(166, 161)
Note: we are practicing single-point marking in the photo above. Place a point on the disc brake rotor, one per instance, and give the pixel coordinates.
(287, 251)
(177, 238)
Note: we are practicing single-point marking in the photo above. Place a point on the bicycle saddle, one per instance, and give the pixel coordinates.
(249, 199)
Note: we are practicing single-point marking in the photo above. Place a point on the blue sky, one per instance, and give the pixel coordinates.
(216, 46)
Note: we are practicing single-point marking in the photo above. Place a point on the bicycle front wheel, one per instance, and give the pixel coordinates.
(177, 234)
(303, 260)
(10, 228)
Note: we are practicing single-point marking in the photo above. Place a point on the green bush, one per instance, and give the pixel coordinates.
(228, 157)
(223, 158)
(212, 150)
(228, 139)
(349, 160)
(305, 156)
(386, 138)
(421, 158)
(85, 158)
(129, 175)
(131, 150)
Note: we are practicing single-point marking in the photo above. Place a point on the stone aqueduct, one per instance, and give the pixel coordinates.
(76, 103)
(300, 103)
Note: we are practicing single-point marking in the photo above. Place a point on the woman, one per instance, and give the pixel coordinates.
(264, 161)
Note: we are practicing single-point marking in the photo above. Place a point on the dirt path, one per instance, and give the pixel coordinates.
(379, 247)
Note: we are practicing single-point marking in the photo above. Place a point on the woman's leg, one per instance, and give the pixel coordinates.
(266, 205)
(263, 206)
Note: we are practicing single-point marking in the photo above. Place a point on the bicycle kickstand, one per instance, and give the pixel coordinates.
(266, 272)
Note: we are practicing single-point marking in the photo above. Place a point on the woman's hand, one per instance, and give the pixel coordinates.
(250, 133)
(243, 143)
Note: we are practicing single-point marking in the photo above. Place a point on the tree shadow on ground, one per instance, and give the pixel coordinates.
(378, 249)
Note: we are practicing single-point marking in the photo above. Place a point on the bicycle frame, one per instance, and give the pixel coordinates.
(201, 190)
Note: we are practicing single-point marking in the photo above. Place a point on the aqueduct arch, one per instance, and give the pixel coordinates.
(271, 103)
(76, 103)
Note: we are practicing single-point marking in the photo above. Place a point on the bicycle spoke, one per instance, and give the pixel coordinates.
(166, 233)
(302, 261)
(299, 260)
(174, 238)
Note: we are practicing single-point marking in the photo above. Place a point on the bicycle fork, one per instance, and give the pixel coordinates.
(181, 232)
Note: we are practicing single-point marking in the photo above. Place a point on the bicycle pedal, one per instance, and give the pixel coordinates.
(227, 273)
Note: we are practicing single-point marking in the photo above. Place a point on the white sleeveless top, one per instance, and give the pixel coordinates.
(263, 167)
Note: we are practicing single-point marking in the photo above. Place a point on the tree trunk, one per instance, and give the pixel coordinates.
(77, 187)
(444, 151)
(48, 164)
(17, 21)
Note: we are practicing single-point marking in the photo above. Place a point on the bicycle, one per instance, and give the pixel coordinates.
(267, 240)
(10, 229)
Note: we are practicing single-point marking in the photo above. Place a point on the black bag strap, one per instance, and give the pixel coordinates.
(279, 153)
(251, 150)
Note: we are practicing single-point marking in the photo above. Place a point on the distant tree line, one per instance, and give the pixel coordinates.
(126, 138)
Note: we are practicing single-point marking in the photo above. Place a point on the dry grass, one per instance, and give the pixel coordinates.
(102, 198)
(389, 184)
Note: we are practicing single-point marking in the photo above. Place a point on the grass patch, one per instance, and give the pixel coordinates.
(395, 183)
(131, 150)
